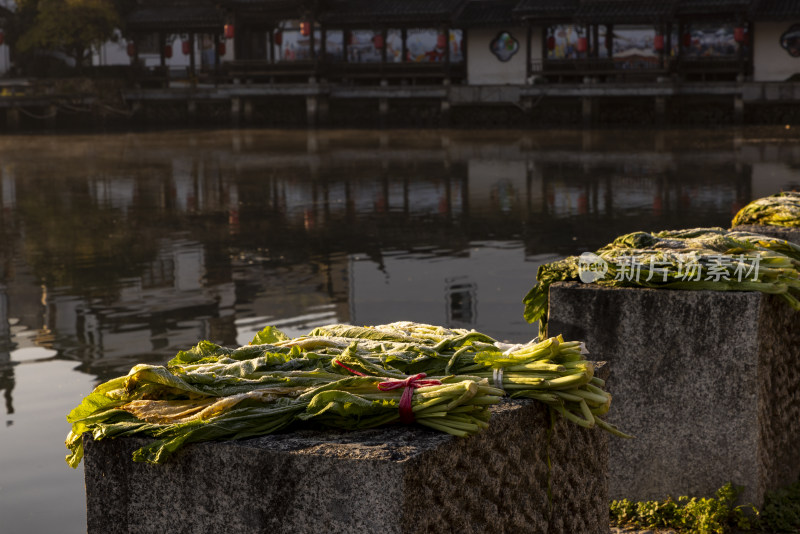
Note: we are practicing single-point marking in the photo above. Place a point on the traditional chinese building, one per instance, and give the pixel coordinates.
(518, 41)
(452, 54)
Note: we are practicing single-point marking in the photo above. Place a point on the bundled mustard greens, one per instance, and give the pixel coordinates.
(214, 393)
(696, 259)
(551, 371)
(781, 209)
(339, 376)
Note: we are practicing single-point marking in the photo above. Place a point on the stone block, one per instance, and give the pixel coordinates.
(781, 232)
(396, 479)
(707, 381)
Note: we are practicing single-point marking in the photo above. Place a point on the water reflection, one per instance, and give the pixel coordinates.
(121, 249)
(139, 245)
(6, 371)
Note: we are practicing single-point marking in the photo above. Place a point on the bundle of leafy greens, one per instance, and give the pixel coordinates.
(781, 209)
(551, 371)
(229, 398)
(696, 259)
(338, 376)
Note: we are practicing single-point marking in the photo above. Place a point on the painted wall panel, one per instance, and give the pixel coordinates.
(772, 62)
(483, 65)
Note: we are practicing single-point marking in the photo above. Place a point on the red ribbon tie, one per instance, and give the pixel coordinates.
(340, 364)
(409, 384)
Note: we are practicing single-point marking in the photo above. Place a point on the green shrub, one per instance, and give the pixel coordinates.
(696, 515)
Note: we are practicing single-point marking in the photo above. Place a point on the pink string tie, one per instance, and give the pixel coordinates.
(409, 384)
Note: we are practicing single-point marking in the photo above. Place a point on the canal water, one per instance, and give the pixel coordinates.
(125, 248)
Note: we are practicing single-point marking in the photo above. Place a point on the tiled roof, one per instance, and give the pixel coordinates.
(776, 9)
(625, 11)
(266, 5)
(176, 18)
(711, 7)
(546, 9)
(266, 13)
(486, 13)
(390, 11)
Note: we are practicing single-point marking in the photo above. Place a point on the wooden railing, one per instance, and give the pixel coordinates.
(262, 71)
(712, 68)
(637, 69)
(411, 73)
(259, 71)
(562, 71)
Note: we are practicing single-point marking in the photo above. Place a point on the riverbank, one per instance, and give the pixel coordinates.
(116, 103)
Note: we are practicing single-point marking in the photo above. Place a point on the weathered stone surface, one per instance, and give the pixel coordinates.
(781, 232)
(389, 480)
(709, 382)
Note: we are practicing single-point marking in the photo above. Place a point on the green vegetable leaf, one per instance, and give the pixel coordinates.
(270, 335)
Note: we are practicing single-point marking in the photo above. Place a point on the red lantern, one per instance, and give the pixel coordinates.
(278, 38)
(738, 34)
(229, 31)
(687, 40)
(582, 45)
(186, 47)
(131, 49)
(658, 42)
(2, 37)
(441, 41)
(551, 43)
(305, 29)
(221, 48)
(377, 41)
(167, 51)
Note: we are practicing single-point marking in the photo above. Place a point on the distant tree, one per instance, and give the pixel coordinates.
(69, 26)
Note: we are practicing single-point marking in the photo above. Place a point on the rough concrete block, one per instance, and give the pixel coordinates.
(781, 232)
(392, 480)
(709, 382)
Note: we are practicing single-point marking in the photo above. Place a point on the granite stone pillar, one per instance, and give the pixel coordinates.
(396, 479)
(707, 381)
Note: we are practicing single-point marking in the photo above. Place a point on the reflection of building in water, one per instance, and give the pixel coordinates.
(498, 186)
(771, 173)
(173, 305)
(651, 184)
(6, 370)
(8, 199)
(200, 185)
(461, 302)
(311, 203)
(295, 297)
(8, 194)
(279, 232)
(471, 290)
(167, 307)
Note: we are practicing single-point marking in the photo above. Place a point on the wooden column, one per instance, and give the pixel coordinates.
(446, 54)
(681, 48)
(218, 38)
(12, 119)
(161, 41)
(236, 111)
(192, 69)
(384, 34)
(312, 42)
(528, 58)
